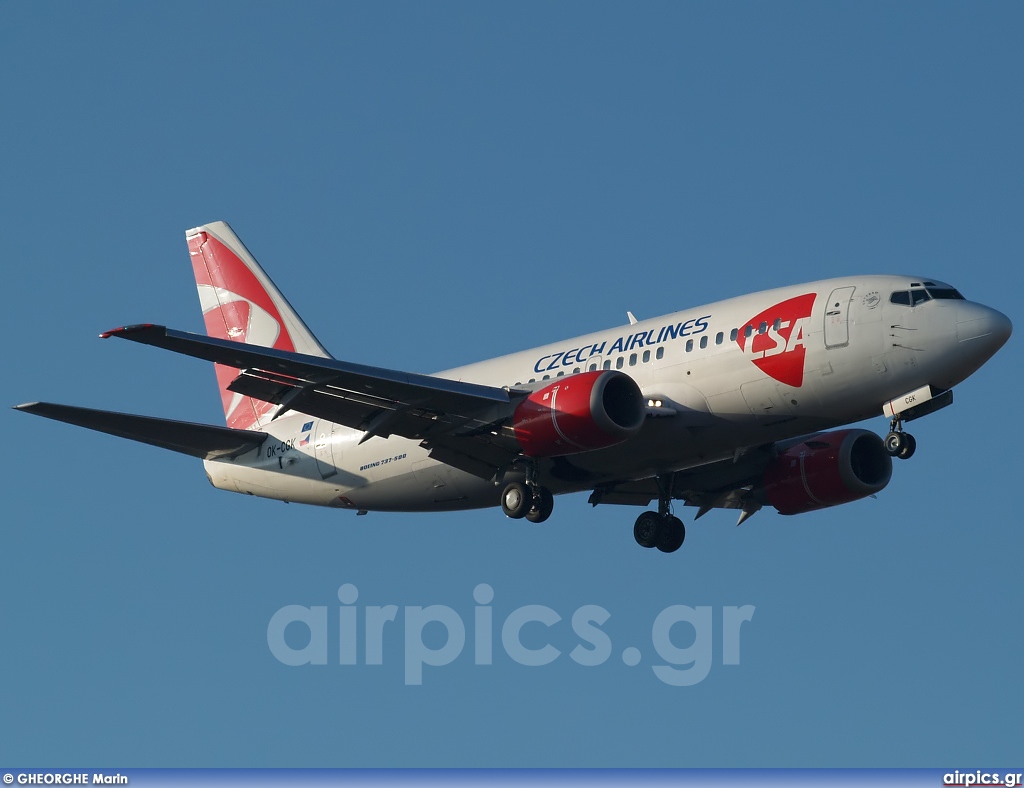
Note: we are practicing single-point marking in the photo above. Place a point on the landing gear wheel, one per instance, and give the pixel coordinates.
(542, 504)
(908, 448)
(516, 500)
(671, 533)
(646, 529)
(895, 443)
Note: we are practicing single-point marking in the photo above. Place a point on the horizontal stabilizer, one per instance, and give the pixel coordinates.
(198, 440)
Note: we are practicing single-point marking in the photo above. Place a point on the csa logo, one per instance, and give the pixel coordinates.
(780, 351)
(236, 306)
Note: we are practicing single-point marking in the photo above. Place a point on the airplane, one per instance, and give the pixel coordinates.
(739, 404)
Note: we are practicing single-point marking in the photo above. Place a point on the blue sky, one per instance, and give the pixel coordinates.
(432, 184)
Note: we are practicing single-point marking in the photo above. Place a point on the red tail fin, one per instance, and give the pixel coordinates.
(240, 303)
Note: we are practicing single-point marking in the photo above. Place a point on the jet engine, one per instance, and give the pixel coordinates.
(577, 413)
(827, 469)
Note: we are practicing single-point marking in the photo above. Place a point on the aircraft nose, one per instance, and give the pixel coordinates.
(982, 326)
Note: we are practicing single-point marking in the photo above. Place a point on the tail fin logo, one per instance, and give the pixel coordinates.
(247, 311)
(242, 320)
(230, 316)
(775, 340)
(236, 306)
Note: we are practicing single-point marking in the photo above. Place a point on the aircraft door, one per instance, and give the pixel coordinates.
(837, 317)
(323, 448)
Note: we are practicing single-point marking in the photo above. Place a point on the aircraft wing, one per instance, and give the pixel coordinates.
(724, 484)
(197, 440)
(461, 420)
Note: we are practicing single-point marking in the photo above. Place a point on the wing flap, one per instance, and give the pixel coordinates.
(720, 484)
(352, 408)
(460, 423)
(474, 455)
(198, 440)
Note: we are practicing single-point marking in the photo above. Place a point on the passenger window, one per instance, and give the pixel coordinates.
(608, 364)
(689, 345)
(703, 341)
(733, 334)
(661, 352)
(546, 377)
(748, 331)
(763, 328)
(647, 356)
(560, 374)
(901, 297)
(719, 338)
(777, 324)
(533, 380)
(592, 368)
(618, 363)
(575, 370)
(632, 359)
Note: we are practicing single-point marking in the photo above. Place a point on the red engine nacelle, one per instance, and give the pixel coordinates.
(827, 469)
(579, 413)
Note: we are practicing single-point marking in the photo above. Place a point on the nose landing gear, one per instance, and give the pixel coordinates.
(898, 443)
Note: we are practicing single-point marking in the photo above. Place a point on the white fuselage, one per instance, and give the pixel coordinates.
(730, 375)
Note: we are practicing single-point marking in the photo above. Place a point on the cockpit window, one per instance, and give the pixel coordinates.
(945, 293)
(915, 297)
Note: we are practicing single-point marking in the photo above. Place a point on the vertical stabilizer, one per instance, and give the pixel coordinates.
(241, 303)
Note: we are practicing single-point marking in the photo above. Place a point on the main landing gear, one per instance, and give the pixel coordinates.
(527, 499)
(660, 529)
(899, 443)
